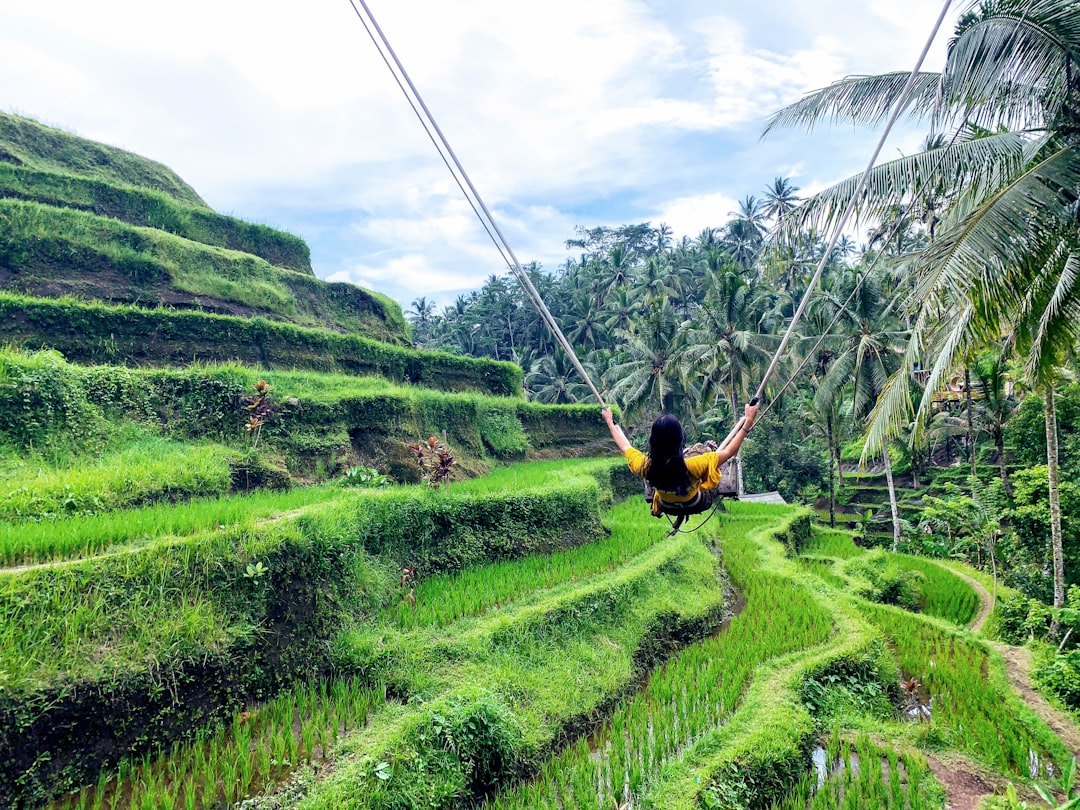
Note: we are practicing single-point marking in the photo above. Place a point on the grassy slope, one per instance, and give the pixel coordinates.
(24, 141)
(62, 234)
(153, 209)
(53, 251)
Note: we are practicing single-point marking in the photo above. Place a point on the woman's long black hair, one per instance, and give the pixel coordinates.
(667, 468)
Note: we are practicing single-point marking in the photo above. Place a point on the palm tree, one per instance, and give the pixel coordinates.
(1006, 252)
(553, 380)
(420, 316)
(720, 348)
(867, 356)
(642, 376)
(780, 199)
(995, 403)
(744, 235)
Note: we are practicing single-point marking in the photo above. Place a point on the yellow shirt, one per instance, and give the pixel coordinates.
(704, 474)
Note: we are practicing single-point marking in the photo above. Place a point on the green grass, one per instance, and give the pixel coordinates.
(23, 543)
(862, 774)
(446, 598)
(975, 709)
(154, 469)
(27, 142)
(154, 209)
(100, 257)
(944, 594)
(264, 745)
(178, 599)
(544, 664)
(693, 693)
(832, 543)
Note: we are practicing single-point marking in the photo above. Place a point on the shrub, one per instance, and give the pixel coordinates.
(879, 580)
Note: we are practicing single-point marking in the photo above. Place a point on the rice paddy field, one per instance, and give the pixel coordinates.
(598, 663)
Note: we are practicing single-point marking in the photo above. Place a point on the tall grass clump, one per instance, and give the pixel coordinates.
(943, 593)
(154, 470)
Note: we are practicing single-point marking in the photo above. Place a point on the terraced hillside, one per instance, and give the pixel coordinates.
(549, 652)
(228, 584)
(89, 221)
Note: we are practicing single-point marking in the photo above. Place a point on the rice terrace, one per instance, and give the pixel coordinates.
(272, 541)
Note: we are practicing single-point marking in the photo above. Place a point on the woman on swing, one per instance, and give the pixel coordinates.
(682, 486)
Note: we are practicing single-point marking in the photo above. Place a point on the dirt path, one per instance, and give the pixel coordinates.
(963, 781)
(1018, 666)
(964, 785)
(985, 599)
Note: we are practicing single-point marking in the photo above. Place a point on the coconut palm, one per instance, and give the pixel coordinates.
(868, 353)
(420, 316)
(553, 380)
(1005, 258)
(642, 376)
(719, 350)
(780, 199)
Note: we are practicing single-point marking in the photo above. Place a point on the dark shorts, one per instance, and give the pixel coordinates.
(699, 503)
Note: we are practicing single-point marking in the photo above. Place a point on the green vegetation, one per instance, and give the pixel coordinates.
(523, 639)
(25, 142)
(525, 675)
(154, 209)
(694, 693)
(862, 774)
(155, 470)
(63, 251)
(231, 614)
(975, 709)
(23, 543)
(445, 598)
(98, 333)
(60, 422)
(260, 747)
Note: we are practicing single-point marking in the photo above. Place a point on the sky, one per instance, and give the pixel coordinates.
(564, 113)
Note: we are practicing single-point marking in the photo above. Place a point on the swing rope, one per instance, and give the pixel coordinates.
(483, 213)
(898, 107)
(854, 291)
(461, 177)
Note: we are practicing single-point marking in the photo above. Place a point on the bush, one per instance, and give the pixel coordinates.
(878, 580)
(1061, 675)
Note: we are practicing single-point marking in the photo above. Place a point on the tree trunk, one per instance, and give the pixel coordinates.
(970, 426)
(1053, 474)
(832, 472)
(835, 450)
(892, 502)
(1003, 469)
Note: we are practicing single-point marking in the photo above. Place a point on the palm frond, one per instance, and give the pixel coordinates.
(1009, 68)
(973, 165)
(864, 100)
(977, 255)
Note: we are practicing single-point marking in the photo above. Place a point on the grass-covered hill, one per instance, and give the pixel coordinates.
(226, 581)
(82, 219)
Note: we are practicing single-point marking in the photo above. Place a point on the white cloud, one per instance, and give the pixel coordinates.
(690, 215)
(564, 113)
